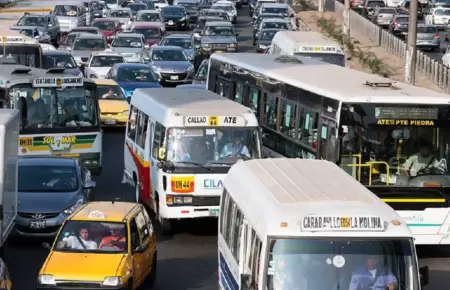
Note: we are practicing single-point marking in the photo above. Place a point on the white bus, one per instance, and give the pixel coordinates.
(309, 44)
(282, 226)
(178, 148)
(368, 124)
(21, 48)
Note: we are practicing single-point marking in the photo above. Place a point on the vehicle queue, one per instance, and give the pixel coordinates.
(179, 146)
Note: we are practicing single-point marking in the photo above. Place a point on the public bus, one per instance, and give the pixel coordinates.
(371, 126)
(23, 49)
(282, 227)
(309, 44)
(174, 151)
(60, 113)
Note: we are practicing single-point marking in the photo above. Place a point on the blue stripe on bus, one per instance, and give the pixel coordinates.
(226, 277)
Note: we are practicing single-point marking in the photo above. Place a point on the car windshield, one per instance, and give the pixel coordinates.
(223, 7)
(188, 5)
(219, 31)
(85, 30)
(220, 14)
(89, 44)
(282, 11)
(161, 1)
(442, 12)
(32, 21)
(120, 14)
(106, 60)
(150, 17)
(170, 11)
(44, 178)
(127, 41)
(218, 145)
(92, 237)
(70, 39)
(279, 25)
(341, 263)
(376, 4)
(104, 25)
(262, 17)
(202, 71)
(268, 35)
(333, 58)
(185, 43)
(168, 55)
(402, 19)
(131, 74)
(58, 60)
(65, 10)
(427, 29)
(148, 33)
(29, 32)
(110, 92)
(56, 108)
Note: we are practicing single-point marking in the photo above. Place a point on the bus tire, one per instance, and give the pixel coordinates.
(165, 226)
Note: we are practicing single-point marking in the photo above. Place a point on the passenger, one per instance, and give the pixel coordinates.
(82, 242)
(372, 275)
(181, 154)
(422, 160)
(235, 148)
(109, 94)
(115, 240)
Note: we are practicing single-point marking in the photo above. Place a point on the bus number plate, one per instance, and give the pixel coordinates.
(214, 212)
(182, 184)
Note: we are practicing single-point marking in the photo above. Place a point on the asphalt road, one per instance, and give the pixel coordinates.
(187, 260)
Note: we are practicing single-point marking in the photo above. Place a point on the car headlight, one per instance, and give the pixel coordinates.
(112, 281)
(126, 112)
(206, 45)
(46, 280)
(157, 69)
(231, 45)
(182, 19)
(74, 207)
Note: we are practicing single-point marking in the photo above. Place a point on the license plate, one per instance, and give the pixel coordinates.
(214, 212)
(40, 224)
(174, 77)
(219, 51)
(110, 122)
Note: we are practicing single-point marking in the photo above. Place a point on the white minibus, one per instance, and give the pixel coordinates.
(306, 224)
(179, 145)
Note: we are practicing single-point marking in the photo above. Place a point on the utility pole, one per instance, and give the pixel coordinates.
(346, 27)
(410, 66)
(321, 5)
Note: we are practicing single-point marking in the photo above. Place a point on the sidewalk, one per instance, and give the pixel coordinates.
(395, 65)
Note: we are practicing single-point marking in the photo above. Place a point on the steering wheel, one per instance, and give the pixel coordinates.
(429, 171)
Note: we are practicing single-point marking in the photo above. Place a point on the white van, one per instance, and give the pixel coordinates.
(179, 145)
(307, 224)
(310, 44)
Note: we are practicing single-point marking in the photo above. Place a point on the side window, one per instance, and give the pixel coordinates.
(149, 222)
(256, 261)
(308, 127)
(237, 234)
(270, 111)
(288, 118)
(229, 222)
(141, 129)
(238, 93)
(142, 228)
(134, 232)
(223, 210)
(132, 119)
(252, 100)
(158, 139)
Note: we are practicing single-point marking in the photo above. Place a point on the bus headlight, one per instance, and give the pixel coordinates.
(178, 200)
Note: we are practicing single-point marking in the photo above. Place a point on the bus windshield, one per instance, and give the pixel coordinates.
(56, 107)
(219, 145)
(26, 54)
(332, 58)
(402, 145)
(342, 264)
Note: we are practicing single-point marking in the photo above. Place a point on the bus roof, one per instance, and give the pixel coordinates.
(275, 195)
(163, 104)
(11, 36)
(297, 38)
(332, 81)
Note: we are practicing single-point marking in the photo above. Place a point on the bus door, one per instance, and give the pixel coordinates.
(327, 140)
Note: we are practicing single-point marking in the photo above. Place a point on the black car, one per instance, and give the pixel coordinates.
(191, 9)
(175, 17)
(201, 24)
(265, 39)
(60, 59)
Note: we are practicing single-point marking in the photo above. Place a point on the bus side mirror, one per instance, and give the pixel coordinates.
(246, 282)
(423, 272)
(161, 153)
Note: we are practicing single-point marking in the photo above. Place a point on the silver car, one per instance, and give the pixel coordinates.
(428, 37)
(85, 44)
(383, 16)
(124, 15)
(130, 45)
(33, 32)
(50, 189)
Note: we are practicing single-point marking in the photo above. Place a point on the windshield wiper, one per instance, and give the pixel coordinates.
(239, 156)
(201, 165)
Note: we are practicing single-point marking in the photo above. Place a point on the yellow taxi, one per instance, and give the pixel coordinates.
(5, 279)
(113, 105)
(103, 245)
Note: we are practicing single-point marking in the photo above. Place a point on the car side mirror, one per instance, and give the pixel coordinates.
(424, 275)
(46, 245)
(89, 184)
(246, 282)
(139, 249)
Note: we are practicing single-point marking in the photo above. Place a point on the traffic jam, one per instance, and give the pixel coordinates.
(191, 110)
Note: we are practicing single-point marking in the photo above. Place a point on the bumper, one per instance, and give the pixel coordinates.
(22, 228)
(428, 45)
(208, 52)
(177, 25)
(189, 212)
(176, 78)
(61, 287)
(113, 122)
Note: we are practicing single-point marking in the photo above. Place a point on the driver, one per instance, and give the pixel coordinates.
(236, 147)
(422, 160)
(372, 275)
(115, 240)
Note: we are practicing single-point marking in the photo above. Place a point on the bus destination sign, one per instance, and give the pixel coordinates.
(49, 82)
(405, 113)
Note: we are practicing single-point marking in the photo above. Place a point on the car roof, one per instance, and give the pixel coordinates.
(15, 27)
(46, 161)
(119, 9)
(56, 52)
(128, 34)
(106, 19)
(215, 10)
(274, 20)
(218, 23)
(168, 47)
(106, 82)
(90, 35)
(135, 65)
(149, 11)
(177, 35)
(112, 210)
(36, 15)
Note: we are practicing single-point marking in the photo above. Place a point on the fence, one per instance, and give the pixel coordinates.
(426, 66)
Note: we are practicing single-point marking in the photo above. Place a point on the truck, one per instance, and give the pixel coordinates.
(9, 142)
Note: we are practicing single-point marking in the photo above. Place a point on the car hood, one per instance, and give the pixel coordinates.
(81, 53)
(100, 71)
(92, 267)
(175, 66)
(172, 17)
(66, 19)
(112, 106)
(128, 50)
(108, 32)
(46, 202)
(218, 39)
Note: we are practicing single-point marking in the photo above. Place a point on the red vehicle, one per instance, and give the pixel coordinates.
(108, 26)
(152, 32)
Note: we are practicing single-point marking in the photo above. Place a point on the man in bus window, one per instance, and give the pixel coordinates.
(424, 159)
(236, 147)
(372, 275)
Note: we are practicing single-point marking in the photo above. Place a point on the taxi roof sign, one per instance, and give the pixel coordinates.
(319, 49)
(12, 39)
(50, 82)
(214, 121)
(96, 214)
(318, 223)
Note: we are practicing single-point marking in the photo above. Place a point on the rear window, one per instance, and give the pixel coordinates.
(402, 19)
(376, 4)
(387, 11)
(426, 29)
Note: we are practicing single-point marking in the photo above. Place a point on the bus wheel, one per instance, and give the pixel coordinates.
(165, 226)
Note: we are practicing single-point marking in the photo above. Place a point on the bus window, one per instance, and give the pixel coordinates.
(270, 113)
(238, 93)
